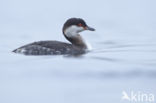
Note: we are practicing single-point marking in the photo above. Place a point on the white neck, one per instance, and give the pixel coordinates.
(72, 34)
(73, 31)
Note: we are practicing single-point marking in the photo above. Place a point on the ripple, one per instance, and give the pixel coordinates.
(108, 74)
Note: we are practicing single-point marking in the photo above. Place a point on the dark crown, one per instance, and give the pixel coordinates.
(74, 21)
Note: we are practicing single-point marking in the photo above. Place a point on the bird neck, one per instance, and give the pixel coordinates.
(77, 41)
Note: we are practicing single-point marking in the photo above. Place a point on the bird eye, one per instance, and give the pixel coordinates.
(79, 24)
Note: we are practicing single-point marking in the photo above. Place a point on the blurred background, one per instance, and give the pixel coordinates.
(123, 56)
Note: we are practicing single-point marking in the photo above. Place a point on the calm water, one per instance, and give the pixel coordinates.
(123, 56)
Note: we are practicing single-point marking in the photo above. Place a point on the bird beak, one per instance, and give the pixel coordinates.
(89, 28)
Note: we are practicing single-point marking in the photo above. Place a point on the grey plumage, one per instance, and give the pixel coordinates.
(49, 48)
(77, 46)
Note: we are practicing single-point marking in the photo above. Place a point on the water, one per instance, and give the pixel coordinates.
(123, 56)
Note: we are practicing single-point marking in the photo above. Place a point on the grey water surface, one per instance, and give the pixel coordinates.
(123, 57)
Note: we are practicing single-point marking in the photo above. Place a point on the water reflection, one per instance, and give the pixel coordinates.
(104, 58)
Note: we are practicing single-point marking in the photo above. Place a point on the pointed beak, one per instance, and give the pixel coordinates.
(89, 28)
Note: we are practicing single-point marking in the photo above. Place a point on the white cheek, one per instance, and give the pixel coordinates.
(73, 31)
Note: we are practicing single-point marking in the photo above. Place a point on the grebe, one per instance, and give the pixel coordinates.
(71, 30)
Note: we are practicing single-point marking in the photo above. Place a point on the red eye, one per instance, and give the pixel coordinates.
(79, 24)
(82, 26)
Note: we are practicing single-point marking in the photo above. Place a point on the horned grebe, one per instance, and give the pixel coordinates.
(70, 30)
